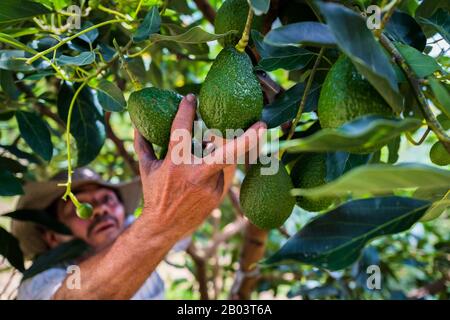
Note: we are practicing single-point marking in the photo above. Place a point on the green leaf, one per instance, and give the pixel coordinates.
(335, 240)
(39, 75)
(11, 165)
(428, 7)
(341, 162)
(442, 95)
(16, 10)
(9, 184)
(36, 134)
(155, 75)
(405, 29)
(273, 58)
(381, 179)
(21, 154)
(150, 25)
(437, 208)
(40, 217)
(439, 22)
(9, 61)
(285, 107)
(422, 64)
(192, 36)
(110, 96)
(260, 6)
(360, 135)
(65, 252)
(10, 249)
(305, 33)
(7, 84)
(357, 41)
(90, 36)
(82, 59)
(87, 127)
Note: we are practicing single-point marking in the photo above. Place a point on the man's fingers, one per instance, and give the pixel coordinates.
(229, 153)
(144, 150)
(184, 119)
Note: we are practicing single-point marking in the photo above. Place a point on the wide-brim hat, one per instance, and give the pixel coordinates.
(40, 195)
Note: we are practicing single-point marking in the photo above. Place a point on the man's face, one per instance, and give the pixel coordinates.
(107, 220)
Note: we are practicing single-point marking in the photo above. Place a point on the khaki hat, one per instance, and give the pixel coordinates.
(40, 195)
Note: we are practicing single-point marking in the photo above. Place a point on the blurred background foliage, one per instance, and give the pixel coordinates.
(413, 264)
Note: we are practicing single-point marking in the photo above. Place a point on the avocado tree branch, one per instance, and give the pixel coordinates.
(248, 274)
(208, 11)
(129, 160)
(420, 96)
(200, 271)
(387, 16)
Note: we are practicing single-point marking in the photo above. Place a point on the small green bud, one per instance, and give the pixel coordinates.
(84, 211)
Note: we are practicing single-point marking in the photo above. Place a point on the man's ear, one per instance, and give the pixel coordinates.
(53, 238)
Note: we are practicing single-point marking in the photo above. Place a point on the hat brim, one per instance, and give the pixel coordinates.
(40, 195)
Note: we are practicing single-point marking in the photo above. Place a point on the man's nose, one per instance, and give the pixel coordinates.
(100, 210)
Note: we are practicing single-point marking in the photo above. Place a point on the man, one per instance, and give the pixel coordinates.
(177, 198)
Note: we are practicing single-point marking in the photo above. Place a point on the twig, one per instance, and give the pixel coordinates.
(387, 16)
(248, 274)
(200, 273)
(422, 139)
(129, 160)
(63, 42)
(208, 12)
(420, 96)
(228, 232)
(235, 202)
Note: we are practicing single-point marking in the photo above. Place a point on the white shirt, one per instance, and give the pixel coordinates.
(45, 284)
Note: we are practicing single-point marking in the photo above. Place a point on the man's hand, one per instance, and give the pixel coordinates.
(178, 197)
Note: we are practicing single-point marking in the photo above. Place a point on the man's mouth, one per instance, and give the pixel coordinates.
(103, 226)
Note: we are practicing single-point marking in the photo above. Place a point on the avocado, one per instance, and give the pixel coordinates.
(309, 172)
(232, 15)
(439, 155)
(230, 97)
(266, 199)
(346, 95)
(152, 111)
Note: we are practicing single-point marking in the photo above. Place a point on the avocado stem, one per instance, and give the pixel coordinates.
(243, 42)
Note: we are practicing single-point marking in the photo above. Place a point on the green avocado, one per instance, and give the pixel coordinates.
(346, 95)
(310, 171)
(266, 199)
(152, 111)
(439, 155)
(231, 96)
(232, 15)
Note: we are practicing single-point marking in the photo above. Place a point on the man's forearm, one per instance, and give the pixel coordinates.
(119, 271)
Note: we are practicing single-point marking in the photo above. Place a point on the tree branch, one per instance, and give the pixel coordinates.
(200, 272)
(208, 11)
(248, 274)
(420, 96)
(129, 160)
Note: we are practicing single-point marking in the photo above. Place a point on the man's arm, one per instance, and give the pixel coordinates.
(177, 199)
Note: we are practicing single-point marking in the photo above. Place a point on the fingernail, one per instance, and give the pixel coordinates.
(190, 97)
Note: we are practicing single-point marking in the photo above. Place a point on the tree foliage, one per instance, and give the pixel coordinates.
(65, 88)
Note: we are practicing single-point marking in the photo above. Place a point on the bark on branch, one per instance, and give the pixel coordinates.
(129, 160)
(208, 11)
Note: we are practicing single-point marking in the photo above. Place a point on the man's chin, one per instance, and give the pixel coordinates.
(104, 238)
